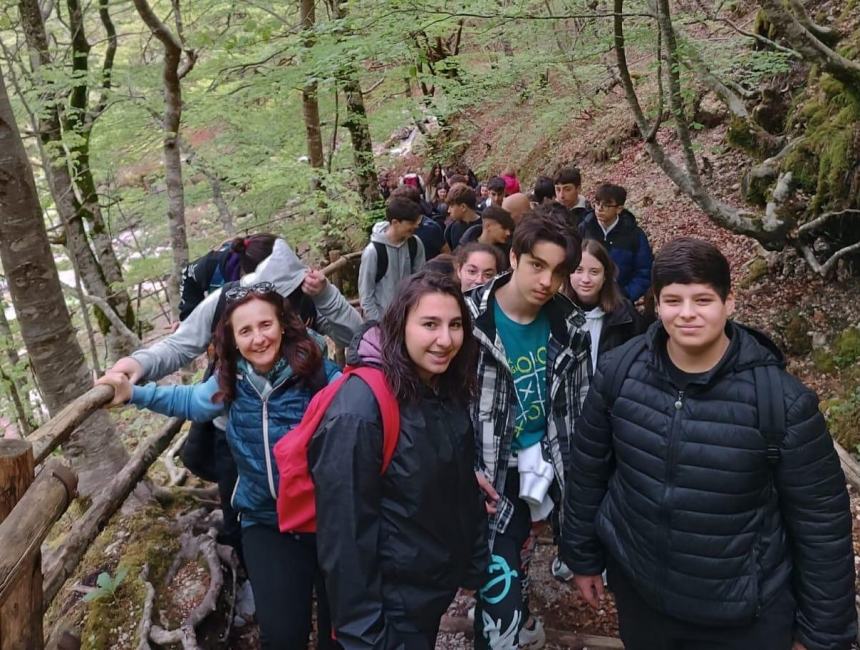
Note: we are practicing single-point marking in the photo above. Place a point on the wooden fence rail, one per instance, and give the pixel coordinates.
(21, 535)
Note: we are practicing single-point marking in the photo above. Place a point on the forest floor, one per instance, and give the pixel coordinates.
(777, 295)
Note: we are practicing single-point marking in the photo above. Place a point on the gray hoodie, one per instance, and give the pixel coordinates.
(374, 296)
(283, 268)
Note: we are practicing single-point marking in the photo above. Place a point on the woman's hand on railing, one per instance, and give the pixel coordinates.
(129, 367)
(121, 387)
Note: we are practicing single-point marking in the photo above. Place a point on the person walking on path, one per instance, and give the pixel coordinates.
(269, 368)
(703, 479)
(533, 371)
(396, 545)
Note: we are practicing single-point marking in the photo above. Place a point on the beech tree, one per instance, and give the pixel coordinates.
(46, 327)
(98, 281)
(175, 67)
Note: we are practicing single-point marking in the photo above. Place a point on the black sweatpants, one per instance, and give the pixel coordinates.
(502, 607)
(283, 571)
(644, 628)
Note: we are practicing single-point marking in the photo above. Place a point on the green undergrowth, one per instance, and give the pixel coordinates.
(842, 359)
(127, 542)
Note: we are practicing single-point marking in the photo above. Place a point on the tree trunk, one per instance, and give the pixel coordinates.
(46, 327)
(60, 180)
(310, 105)
(172, 76)
(358, 127)
(770, 232)
(80, 120)
(11, 377)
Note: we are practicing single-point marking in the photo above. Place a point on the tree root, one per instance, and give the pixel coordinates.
(176, 475)
(216, 557)
(146, 617)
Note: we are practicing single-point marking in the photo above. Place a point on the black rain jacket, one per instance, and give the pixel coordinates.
(676, 486)
(395, 548)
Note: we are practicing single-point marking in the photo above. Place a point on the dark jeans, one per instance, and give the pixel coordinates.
(283, 571)
(502, 606)
(644, 628)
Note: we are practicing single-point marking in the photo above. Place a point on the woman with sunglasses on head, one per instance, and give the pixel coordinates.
(395, 546)
(269, 368)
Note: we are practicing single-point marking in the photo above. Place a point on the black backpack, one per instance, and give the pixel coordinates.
(769, 398)
(382, 256)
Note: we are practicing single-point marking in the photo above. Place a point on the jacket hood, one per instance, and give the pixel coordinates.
(366, 346)
(749, 347)
(283, 267)
(379, 234)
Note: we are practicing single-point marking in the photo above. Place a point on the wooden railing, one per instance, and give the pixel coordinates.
(32, 501)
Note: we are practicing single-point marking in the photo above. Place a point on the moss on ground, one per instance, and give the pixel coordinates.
(145, 537)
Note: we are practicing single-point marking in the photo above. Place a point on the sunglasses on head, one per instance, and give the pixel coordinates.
(259, 289)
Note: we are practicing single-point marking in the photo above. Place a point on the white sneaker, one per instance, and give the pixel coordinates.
(535, 638)
(560, 571)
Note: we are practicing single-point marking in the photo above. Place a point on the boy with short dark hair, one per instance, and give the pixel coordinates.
(544, 190)
(703, 479)
(495, 228)
(496, 189)
(533, 367)
(394, 253)
(615, 227)
(429, 232)
(568, 182)
(461, 208)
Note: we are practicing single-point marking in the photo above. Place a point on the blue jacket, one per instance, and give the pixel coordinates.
(256, 420)
(628, 247)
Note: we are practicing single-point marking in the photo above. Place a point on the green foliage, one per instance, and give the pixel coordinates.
(106, 585)
(822, 162)
(846, 347)
(843, 416)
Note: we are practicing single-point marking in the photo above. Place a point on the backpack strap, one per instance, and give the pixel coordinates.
(412, 245)
(622, 369)
(381, 260)
(771, 409)
(388, 408)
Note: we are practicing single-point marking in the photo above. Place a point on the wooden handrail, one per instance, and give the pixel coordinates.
(23, 531)
(21, 537)
(57, 430)
(61, 564)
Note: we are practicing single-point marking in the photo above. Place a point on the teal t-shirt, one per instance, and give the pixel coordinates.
(525, 347)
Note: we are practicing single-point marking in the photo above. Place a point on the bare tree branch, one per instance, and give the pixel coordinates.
(804, 36)
(109, 313)
(815, 224)
(825, 269)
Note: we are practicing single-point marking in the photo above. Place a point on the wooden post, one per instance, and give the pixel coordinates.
(24, 526)
(16, 473)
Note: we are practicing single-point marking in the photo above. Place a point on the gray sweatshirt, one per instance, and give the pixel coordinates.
(335, 316)
(375, 297)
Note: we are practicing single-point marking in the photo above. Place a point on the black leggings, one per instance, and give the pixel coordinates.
(283, 571)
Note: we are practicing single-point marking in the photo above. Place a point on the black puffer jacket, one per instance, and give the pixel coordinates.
(677, 488)
(395, 548)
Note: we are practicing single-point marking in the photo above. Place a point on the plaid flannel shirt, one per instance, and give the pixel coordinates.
(493, 412)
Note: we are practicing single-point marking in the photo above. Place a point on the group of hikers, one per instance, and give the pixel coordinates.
(500, 381)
